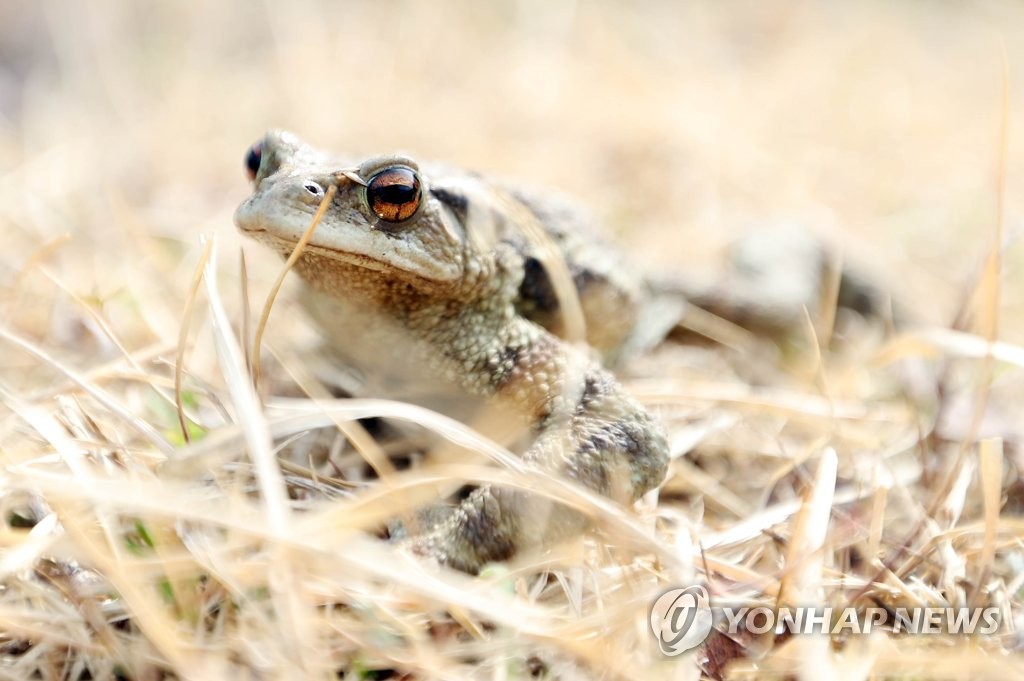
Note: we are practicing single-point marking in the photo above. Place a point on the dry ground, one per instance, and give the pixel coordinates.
(869, 473)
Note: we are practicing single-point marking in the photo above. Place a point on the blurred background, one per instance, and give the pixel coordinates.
(876, 124)
(123, 126)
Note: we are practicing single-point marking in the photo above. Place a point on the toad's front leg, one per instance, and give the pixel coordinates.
(588, 430)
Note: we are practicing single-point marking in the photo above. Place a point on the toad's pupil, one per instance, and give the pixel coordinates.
(394, 194)
(397, 193)
(253, 159)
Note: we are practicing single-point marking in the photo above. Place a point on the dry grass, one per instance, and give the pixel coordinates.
(878, 470)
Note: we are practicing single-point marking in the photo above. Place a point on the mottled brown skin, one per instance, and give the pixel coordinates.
(454, 294)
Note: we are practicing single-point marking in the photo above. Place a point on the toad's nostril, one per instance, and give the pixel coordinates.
(253, 158)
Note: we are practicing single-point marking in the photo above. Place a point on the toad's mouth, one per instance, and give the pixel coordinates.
(286, 247)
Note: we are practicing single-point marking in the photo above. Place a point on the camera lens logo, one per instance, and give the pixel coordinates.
(681, 619)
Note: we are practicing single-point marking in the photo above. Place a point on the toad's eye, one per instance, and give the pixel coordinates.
(394, 193)
(252, 160)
